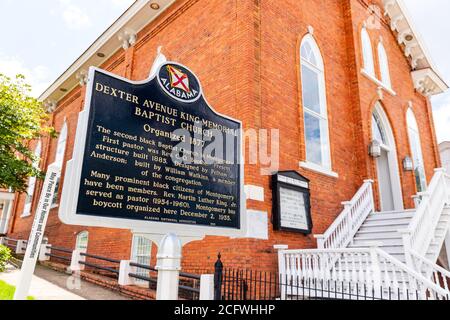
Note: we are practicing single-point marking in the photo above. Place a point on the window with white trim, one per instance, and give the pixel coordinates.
(141, 253)
(367, 52)
(416, 149)
(82, 241)
(32, 182)
(59, 158)
(384, 66)
(314, 104)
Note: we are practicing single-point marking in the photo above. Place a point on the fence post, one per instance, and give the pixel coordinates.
(407, 247)
(169, 267)
(21, 247)
(124, 273)
(282, 272)
(45, 248)
(207, 291)
(75, 261)
(376, 268)
(218, 278)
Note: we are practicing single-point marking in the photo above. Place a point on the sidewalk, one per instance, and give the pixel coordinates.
(52, 285)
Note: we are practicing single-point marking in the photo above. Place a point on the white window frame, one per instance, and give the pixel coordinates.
(326, 166)
(413, 128)
(367, 53)
(384, 66)
(59, 158)
(141, 253)
(32, 183)
(82, 236)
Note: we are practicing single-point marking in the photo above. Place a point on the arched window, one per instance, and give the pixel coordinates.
(378, 130)
(82, 241)
(367, 52)
(416, 149)
(384, 66)
(59, 158)
(32, 182)
(314, 104)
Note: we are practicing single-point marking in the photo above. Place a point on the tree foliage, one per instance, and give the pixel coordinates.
(5, 256)
(22, 119)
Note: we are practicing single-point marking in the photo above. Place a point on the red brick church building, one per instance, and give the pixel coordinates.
(338, 78)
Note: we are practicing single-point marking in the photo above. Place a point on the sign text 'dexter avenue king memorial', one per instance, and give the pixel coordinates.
(154, 156)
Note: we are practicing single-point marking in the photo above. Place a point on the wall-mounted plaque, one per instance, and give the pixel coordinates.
(291, 207)
(147, 158)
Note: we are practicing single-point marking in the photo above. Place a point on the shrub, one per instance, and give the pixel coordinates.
(5, 256)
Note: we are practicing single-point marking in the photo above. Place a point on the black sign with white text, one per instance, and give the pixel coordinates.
(291, 207)
(156, 151)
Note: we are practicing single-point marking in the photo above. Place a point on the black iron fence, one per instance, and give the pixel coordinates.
(189, 287)
(111, 269)
(241, 285)
(62, 254)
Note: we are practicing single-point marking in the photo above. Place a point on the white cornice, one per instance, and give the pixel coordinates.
(426, 77)
(117, 36)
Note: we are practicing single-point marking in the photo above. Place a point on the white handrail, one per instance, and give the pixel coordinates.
(345, 227)
(371, 269)
(430, 270)
(421, 231)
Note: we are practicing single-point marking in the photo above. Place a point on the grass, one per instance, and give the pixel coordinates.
(7, 291)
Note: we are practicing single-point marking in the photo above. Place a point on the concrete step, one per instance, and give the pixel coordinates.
(362, 243)
(383, 228)
(367, 235)
(383, 216)
(387, 222)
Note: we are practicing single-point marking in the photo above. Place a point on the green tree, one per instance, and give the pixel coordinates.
(22, 119)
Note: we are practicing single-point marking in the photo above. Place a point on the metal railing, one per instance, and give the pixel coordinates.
(114, 272)
(59, 250)
(149, 279)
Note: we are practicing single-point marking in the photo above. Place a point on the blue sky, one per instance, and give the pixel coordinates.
(42, 38)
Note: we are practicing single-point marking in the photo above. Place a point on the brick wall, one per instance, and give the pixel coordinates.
(252, 49)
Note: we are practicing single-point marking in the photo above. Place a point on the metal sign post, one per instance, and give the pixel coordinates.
(37, 232)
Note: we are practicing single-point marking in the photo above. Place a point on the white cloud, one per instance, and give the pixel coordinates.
(442, 122)
(121, 3)
(37, 77)
(75, 18)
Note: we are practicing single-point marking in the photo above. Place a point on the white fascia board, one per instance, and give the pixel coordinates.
(420, 77)
(135, 18)
(426, 65)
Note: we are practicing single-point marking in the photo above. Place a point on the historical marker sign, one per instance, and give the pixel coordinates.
(291, 207)
(153, 156)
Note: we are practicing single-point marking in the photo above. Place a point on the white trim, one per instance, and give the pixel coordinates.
(412, 125)
(8, 196)
(319, 70)
(378, 82)
(318, 169)
(367, 52)
(255, 193)
(385, 70)
(397, 193)
(71, 187)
